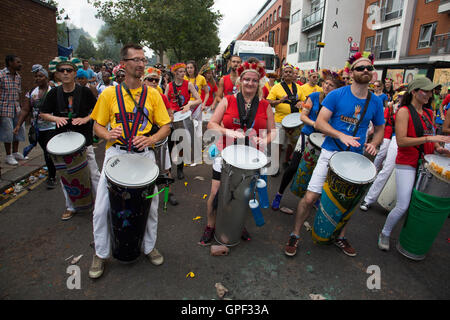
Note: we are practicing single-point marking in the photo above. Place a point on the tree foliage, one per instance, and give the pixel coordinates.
(187, 28)
(86, 48)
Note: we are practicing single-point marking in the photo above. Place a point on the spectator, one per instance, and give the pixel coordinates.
(90, 72)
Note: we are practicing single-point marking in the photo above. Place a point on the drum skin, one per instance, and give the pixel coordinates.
(388, 196)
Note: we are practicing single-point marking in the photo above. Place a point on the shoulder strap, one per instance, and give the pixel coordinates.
(292, 95)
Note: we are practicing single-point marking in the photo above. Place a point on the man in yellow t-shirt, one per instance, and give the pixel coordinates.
(311, 86)
(281, 100)
(120, 141)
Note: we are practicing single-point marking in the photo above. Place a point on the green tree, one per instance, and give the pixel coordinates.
(86, 49)
(108, 46)
(187, 28)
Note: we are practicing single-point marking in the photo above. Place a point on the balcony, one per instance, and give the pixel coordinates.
(313, 20)
(381, 53)
(306, 56)
(444, 6)
(440, 44)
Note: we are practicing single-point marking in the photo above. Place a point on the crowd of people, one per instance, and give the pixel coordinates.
(395, 126)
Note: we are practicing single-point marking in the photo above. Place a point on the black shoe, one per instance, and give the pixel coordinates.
(51, 183)
(172, 200)
(245, 235)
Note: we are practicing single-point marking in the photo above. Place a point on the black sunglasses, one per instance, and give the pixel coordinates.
(69, 70)
(362, 68)
(152, 79)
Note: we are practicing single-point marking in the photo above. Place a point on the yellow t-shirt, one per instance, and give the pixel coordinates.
(306, 90)
(276, 93)
(107, 110)
(199, 83)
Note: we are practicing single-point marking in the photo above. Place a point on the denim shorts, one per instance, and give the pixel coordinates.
(7, 126)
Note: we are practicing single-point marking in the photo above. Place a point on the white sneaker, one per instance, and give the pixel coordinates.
(383, 242)
(364, 206)
(19, 156)
(10, 160)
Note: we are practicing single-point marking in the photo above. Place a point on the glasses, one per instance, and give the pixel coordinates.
(137, 60)
(152, 79)
(362, 68)
(346, 78)
(250, 81)
(120, 76)
(68, 70)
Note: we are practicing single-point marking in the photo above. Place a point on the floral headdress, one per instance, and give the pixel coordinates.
(365, 56)
(251, 67)
(177, 66)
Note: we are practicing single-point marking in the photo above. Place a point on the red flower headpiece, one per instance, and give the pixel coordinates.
(177, 66)
(358, 56)
(253, 67)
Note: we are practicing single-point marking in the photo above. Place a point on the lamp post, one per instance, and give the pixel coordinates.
(67, 20)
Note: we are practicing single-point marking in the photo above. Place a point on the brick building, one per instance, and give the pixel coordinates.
(29, 32)
(408, 37)
(271, 24)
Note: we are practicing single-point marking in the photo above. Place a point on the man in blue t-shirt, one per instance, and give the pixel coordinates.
(341, 112)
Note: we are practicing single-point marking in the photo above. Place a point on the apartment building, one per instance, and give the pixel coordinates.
(271, 24)
(336, 23)
(408, 37)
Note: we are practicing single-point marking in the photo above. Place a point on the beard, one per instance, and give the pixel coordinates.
(363, 78)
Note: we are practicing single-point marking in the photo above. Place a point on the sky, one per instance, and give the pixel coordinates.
(236, 14)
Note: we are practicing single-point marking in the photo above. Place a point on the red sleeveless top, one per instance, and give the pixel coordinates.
(231, 119)
(228, 87)
(410, 155)
(184, 95)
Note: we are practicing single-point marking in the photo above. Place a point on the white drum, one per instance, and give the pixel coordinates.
(183, 120)
(388, 196)
(66, 143)
(244, 157)
(293, 127)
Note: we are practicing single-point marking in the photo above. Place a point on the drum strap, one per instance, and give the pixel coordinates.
(418, 127)
(130, 133)
(369, 96)
(292, 96)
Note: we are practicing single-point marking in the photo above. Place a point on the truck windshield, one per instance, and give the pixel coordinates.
(267, 58)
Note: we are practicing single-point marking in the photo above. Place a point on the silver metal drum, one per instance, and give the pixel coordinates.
(183, 120)
(240, 170)
(429, 181)
(160, 149)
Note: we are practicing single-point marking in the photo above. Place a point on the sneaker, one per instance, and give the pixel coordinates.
(345, 246)
(10, 160)
(97, 267)
(156, 257)
(383, 242)
(172, 200)
(67, 215)
(51, 183)
(19, 156)
(364, 206)
(276, 202)
(291, 247)
(207, 236)
(245, 235)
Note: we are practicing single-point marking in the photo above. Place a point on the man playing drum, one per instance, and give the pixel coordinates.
(108, 111)
(70, 106)
(344, 119)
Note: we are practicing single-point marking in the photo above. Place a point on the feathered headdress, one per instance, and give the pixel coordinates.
(153, 71)
(365, 56)
(177, 66)
(333, 76)
(288, 65)
(251, 67)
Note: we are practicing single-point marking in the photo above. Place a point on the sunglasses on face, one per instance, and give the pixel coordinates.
(68, 70)
(362, 68)
(152, 79)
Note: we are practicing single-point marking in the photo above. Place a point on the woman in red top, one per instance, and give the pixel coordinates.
(207, 72)
(269, 84)
(227, 121)
(412, 145)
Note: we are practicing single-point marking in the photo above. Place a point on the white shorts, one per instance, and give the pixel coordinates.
(320, 172)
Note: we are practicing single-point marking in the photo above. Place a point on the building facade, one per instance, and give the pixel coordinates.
(271, 24)
(29, 32)
(408, 38)
(336, 23)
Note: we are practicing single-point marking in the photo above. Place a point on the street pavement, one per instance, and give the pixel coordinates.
(35, 244)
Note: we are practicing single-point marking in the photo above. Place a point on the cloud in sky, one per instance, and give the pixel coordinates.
(236, 14)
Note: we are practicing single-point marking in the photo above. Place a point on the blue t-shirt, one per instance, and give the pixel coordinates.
(313, 113)
(384, 98)
(347, 109)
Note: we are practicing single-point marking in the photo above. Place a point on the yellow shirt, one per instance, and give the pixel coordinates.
(276, 93)
(199, 83)
(306, 90)
(107, 110)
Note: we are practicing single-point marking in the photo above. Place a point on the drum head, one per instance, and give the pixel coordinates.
(317, 139)
(131, 170)
(66, 143)
(439, 166)
(180, 116)
(353, 167)
(292, 121)
(244, 157)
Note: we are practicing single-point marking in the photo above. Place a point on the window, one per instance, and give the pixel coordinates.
(275, 16)
(316, 5)
(293, 48)
(279, 12)
(312, 42)
(386, 42)
(271, 19)
(369, 44)
(427, 32)
(428, 1)
(295, 17)
(391, 9)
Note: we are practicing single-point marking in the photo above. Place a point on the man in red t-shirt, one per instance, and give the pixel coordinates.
(227, 85)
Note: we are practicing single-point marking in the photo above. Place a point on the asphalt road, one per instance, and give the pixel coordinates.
(35, 243)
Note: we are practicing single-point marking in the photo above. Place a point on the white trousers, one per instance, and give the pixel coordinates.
(405, 177)
(94, 174)
(102, 236)
(381, 155)
(384, 174)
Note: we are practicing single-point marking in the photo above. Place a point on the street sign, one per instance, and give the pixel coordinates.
(354, 47)
(350, 39)
(320, 44)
